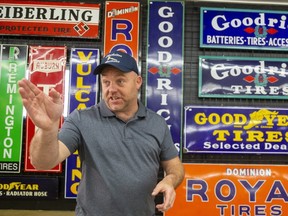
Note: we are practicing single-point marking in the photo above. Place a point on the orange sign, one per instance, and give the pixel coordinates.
(232, 190)
(122, 27)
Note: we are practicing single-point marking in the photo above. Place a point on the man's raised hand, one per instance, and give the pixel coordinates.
(44, 110)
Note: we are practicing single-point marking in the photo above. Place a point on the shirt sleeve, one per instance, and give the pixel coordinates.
(69, 133)
(168, 149)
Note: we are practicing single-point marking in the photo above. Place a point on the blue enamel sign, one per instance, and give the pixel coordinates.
(243, 77)
(243, 29)
(165, 64)
(235, 130)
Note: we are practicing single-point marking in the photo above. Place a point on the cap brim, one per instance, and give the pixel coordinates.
(99, 68)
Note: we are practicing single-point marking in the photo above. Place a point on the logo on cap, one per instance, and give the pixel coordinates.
(119, 60)
(111, 59)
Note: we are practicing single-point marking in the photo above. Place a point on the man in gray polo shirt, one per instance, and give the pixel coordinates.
(121, 144)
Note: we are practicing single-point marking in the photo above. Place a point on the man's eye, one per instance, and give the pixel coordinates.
(121, 82)
(106, 83)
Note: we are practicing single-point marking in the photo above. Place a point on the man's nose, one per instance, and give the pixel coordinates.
(112, 87)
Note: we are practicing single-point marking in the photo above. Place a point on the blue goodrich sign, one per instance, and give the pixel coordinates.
(238, 77)
(243, 29)
(165, 63)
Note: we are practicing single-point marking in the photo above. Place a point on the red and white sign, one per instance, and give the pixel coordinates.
(122, 27)
(46, 71)
(58, 19)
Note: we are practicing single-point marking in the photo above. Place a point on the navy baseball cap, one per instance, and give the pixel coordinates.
(120, 60)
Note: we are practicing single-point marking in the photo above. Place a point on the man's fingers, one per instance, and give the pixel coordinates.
(155, 191)
(165, 206)
(169, 199)
(27, 90)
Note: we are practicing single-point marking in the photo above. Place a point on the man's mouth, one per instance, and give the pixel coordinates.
(115, 98)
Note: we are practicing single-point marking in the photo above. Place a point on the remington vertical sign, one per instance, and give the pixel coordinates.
(13, 62)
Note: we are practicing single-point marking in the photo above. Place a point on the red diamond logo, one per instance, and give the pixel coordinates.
(249, 30)
(249, 79)
(154, 70)
(272, 79)
(272, 31)
(175, 71)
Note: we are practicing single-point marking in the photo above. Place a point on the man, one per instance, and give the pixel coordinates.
(121, 143)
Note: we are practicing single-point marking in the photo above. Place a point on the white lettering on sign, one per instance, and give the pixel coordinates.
(221, 23)
(220, 71)
(118, 12)
(11, 91)
(164, 57)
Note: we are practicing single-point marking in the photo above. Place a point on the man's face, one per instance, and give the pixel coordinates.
(120, 90)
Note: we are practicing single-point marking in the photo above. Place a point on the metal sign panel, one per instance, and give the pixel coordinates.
(57, 19)
(164, 91)
(232, 190)
(13, 62)
(46, 70)
(235, 130)
(243, 77)
(122, 24)
(21, 187)
(243, 29)
(83, 93)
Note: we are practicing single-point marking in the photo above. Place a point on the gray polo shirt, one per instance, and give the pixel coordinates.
(120, 160)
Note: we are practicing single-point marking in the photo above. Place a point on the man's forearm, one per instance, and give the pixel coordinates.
(44, 149)
(174, 178)
(174, 171)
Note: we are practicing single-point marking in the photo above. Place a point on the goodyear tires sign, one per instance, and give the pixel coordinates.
(29, 187)
(235, 130)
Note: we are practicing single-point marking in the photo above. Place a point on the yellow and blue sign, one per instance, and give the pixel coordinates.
(235, 130)
(83, 93)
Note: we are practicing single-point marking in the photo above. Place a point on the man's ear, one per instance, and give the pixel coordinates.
(139, 81)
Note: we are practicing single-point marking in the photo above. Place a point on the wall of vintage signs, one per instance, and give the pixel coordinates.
(192, 51)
